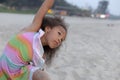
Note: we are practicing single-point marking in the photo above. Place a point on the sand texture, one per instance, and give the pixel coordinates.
(90, 52)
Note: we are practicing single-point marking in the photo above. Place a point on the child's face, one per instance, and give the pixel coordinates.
(55, 36)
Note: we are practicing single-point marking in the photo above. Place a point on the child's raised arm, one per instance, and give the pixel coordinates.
(37, 21)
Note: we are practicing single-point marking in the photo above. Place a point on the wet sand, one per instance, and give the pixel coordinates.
(90, 52)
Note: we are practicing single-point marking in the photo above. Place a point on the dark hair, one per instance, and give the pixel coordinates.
(52, 22)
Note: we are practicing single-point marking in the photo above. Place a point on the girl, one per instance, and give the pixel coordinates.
(26, 53)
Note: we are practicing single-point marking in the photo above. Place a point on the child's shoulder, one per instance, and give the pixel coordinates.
(26, 36)
(26, 33)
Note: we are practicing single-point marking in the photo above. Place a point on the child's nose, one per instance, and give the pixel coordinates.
(59, 39)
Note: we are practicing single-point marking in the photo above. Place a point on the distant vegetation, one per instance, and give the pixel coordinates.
(60, 7)
(31, 6)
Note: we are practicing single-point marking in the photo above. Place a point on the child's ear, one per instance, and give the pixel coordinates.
(47, 29)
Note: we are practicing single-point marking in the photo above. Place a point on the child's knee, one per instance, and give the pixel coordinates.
(40, 75)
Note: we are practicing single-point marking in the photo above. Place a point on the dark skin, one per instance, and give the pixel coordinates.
(34, 27)
(36, 24)
(53, 37)
(40, 75)
(37, 21)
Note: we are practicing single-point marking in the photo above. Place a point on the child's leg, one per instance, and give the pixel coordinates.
(40, 75)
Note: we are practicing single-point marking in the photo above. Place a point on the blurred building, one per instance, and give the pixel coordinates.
(102, 10)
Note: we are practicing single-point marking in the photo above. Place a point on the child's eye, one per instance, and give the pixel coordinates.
(59, 33)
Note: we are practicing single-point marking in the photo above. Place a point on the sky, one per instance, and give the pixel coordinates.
(113, 7)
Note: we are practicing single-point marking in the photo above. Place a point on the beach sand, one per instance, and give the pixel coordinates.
(91, 50)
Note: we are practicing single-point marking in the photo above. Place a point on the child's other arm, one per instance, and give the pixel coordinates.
(37, 21)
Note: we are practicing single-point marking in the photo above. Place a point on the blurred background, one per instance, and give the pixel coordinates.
(101, 9)
(92, 48)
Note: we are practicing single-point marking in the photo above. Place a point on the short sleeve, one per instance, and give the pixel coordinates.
(38, 50)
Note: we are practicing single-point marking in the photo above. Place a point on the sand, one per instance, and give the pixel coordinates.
(90, 52)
